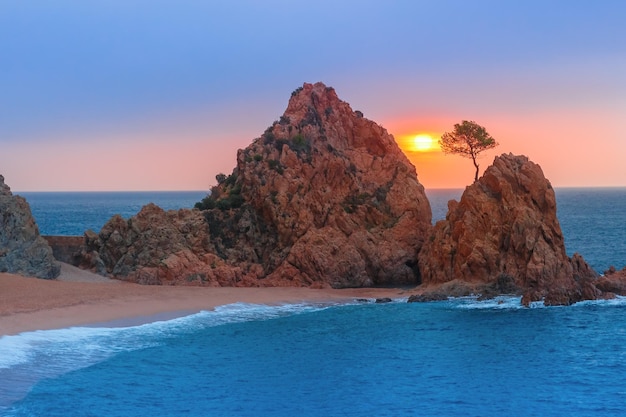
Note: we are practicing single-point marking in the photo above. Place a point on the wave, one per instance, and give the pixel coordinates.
(30, 357)
(514, 303)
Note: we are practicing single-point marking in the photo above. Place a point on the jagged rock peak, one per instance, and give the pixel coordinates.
(4, 189)
(504, 233)
(324, 197)
(316, 111)
(323, 166)
(22, 249)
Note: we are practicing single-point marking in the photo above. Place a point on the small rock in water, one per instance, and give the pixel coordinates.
(383, 300)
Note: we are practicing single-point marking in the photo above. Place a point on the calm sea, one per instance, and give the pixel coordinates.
(460, 357)
(72, 213)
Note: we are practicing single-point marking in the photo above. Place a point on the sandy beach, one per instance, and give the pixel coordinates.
(79, 298)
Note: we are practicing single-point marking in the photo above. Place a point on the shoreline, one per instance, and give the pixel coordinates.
(82, 298)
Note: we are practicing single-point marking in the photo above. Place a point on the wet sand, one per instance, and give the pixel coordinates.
(80, 298)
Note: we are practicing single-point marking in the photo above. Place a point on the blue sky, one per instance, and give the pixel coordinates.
(84, 81)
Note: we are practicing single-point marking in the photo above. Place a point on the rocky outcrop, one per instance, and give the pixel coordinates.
(503, 236)
(324, 197)
(158, 247)
(613, 281)
(22, 250)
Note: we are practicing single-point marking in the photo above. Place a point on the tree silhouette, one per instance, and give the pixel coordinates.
(468, 139)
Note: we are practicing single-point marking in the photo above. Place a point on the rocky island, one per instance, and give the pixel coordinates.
(503, 237)
(325, 198)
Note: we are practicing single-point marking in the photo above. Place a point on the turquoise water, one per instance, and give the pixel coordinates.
(455, 358)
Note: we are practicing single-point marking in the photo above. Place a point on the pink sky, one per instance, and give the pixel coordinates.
(144, 96)
(571, 154)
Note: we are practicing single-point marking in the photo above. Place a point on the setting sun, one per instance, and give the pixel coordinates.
(419, 143)
(423, 143)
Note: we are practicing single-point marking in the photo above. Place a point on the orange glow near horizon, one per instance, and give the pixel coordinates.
(434, 168)
(420, 142)
(189, 159)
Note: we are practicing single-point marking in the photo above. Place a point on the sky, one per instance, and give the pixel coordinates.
(106, 95)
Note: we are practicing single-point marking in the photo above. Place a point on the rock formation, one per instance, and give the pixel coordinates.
(504, 237)
(613, 281)
(22, 249)
(324, 197)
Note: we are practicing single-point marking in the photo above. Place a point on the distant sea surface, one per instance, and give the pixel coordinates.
(460, 357)
(72, 213)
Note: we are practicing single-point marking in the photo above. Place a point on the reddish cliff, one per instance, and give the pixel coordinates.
(323, 198)
(502, 237)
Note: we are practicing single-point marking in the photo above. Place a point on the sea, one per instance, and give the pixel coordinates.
(459, 357)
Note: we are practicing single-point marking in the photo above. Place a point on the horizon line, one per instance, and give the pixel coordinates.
(208, 190)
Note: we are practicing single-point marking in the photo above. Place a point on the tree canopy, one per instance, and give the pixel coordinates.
(468, 139)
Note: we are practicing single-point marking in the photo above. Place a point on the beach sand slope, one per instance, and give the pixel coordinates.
(79, 298)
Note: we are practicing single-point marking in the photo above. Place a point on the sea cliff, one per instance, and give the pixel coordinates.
(503, 236)
(324, 197)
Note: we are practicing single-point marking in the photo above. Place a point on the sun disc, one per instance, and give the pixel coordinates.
(423, 143)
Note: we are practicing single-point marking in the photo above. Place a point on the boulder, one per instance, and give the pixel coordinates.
(613, 282)
(22, 249)
(503, 237)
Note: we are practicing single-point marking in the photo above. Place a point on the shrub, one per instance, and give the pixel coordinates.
(268, 137)
(218, 199)
(280, 143)
(298, 140)
(300, 144)
(220, 178)
(275, 165)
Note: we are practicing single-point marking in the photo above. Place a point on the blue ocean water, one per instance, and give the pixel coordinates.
(460, 357)
(72, 213)
(455, 358)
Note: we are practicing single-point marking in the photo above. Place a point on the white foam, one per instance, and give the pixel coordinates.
(617, 301)
(82, 343)
(29, 357)
(497, 303)
(514, 303)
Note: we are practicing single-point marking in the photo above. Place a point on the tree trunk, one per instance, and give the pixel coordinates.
(475, 165)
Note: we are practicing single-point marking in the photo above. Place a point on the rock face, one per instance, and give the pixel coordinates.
(157, 247)
(504, 237)
(613, 281)
(22, 249)
(324, 197)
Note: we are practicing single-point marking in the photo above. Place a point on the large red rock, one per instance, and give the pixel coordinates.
(504, 236)
(324, 197)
